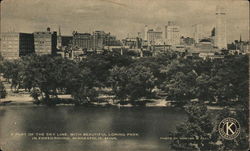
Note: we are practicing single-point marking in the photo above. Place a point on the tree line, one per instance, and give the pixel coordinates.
(180, 78)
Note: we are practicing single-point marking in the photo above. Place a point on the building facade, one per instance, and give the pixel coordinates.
(172, 34)
(96, 41)
(82, 40)
(15, 45)
(198, 32)
(111, 41)
(45, 42)
(154, 37)
(146, 32)
(133, 43)
(220, 30)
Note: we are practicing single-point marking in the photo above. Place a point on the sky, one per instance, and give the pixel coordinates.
(123, 17)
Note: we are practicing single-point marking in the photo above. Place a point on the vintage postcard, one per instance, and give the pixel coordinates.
(124, 75)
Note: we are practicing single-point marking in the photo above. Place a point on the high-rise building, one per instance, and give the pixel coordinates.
(15, 45)
(45, 42)
(82, 40)
(146, 32)
(220, 30)
(172, 34)
(154, 37)
(111, 40)
(97, 41)
(198, 32)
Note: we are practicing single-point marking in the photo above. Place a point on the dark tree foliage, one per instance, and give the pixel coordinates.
(12, 72)
(239, 143)
(200, 131)
(180, 81)
(221, 80)
(3, 92)
(99, 66)
(195, 133)
(131, 83)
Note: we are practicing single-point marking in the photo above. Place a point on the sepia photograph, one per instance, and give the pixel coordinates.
(124, 75)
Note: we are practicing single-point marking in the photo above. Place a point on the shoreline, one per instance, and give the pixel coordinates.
(24, 99)
(31, 103)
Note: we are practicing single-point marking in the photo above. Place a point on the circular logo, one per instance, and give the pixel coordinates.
(229, 128)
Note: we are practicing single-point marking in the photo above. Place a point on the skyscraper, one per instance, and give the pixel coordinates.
(220, 30)
(198, 32)
(82, 40)
(45, 42)
(172, 34)
(154, 37)
(15, 45)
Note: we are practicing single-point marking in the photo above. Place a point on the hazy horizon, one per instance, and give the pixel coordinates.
(122, 17)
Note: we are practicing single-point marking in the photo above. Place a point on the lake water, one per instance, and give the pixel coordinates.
(148, 123)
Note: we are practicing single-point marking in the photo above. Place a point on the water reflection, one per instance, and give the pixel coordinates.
(149, 123)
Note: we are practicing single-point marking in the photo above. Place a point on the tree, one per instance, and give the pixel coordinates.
(99, 66)
(141, 82)
(229, 77)
(3, 92)
(195, 133)
(35, 94)
(131, 83)
(82, 86)
(204, 88)
(48, 74)
(118, 80)
(154, 65)
(201, 130)
(180, 81)
(11, 71)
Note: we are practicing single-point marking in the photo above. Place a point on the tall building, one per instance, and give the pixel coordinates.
(45, 42)
(82, 40)
(15, 45)
(172, 34)
(198, 32)
(154, 37)
(110, 40)
(146, 32)
(98, 39)
(220, 30)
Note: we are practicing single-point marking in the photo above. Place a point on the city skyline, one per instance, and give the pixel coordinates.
(130, 17)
